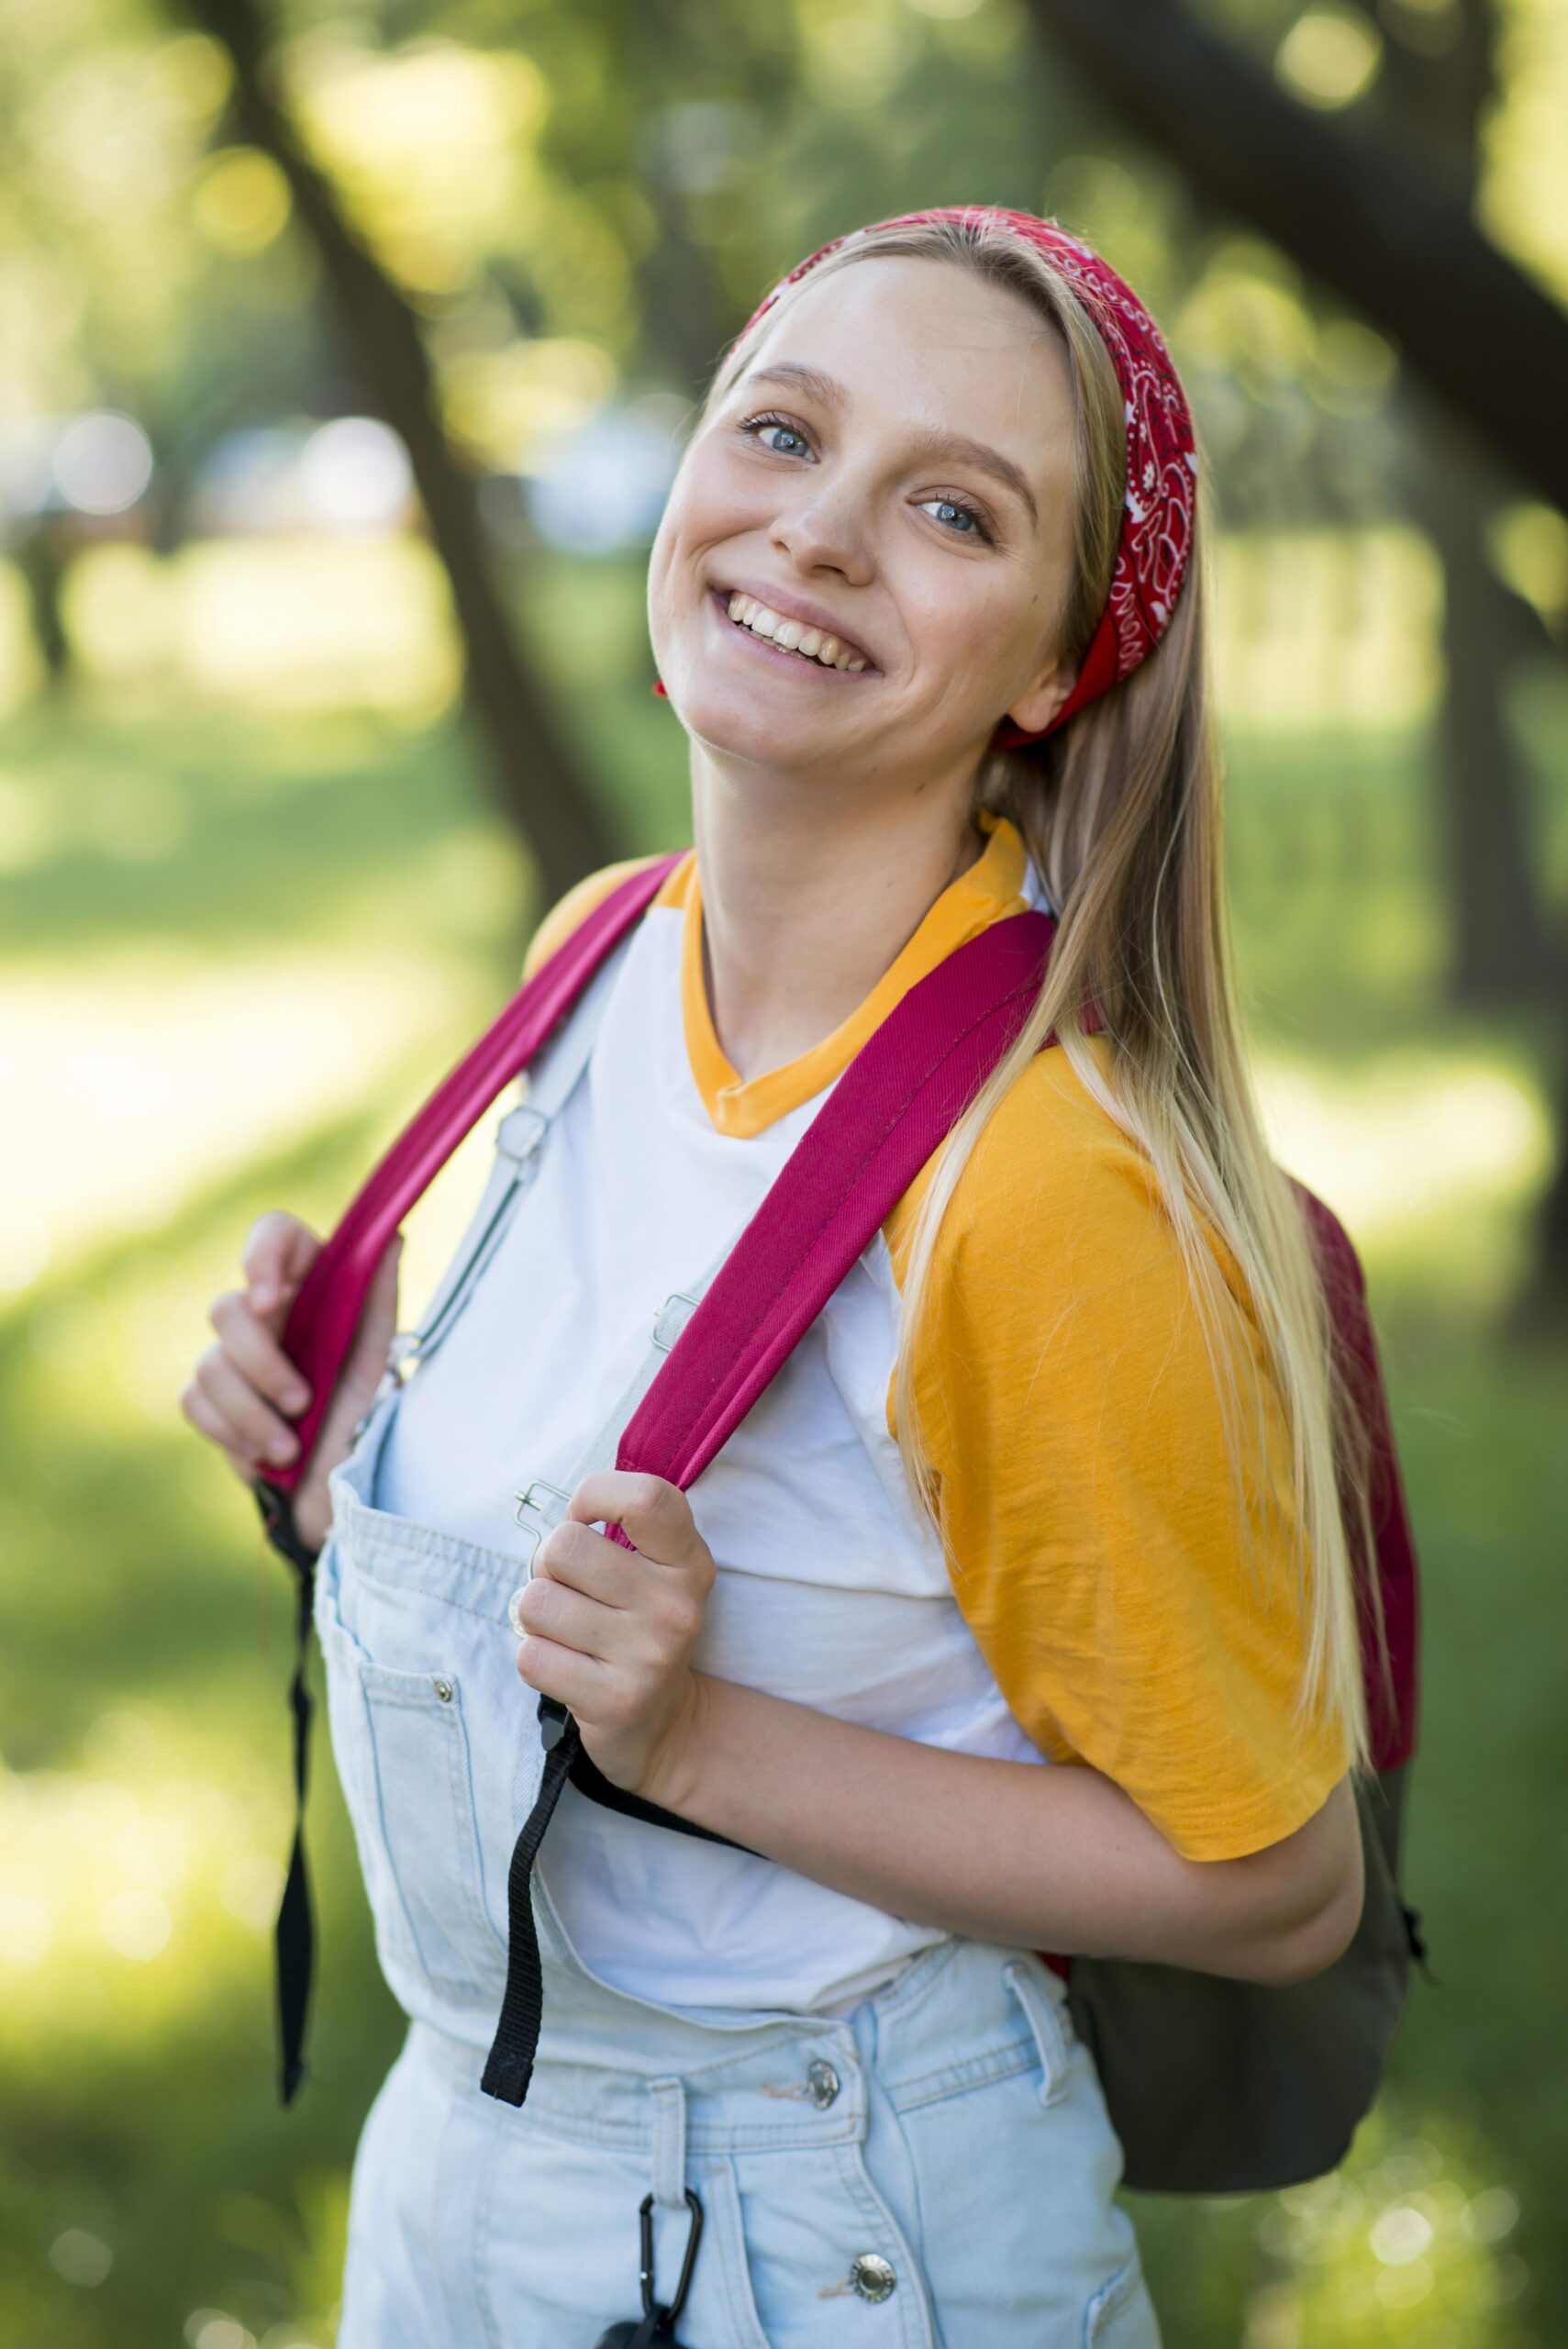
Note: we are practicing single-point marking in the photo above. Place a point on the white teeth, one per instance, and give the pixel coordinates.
(810, 642)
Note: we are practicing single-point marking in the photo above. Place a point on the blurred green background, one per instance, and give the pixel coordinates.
(345, 354)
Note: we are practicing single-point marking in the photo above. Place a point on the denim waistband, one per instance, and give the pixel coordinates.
(962, 2013)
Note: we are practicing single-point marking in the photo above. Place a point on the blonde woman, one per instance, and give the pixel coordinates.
(1017, 1616)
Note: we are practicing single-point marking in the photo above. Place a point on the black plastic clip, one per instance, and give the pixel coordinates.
(654, 2329)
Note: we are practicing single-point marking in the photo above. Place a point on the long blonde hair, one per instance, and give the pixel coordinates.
(1121, 812)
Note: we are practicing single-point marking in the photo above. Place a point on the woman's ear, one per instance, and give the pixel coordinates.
(1034, 709)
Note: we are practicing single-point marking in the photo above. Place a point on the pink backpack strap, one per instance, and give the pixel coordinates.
(1391, 1703)
(891, 1109)
(325, 1313)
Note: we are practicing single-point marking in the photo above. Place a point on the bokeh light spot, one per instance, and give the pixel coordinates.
(80, 2257)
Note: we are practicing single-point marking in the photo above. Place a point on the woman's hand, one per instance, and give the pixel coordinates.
(610, 1630)
(244, 1389)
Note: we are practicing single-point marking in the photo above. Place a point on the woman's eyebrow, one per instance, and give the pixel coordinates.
(956, 447)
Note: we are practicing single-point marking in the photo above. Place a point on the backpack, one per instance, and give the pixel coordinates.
(1213, 2085)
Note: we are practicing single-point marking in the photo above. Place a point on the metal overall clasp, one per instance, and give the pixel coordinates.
(537, 1519)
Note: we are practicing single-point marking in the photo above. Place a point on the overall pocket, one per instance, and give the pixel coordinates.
(401, 1740)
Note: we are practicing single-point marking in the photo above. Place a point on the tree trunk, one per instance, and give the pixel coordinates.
(39, 558)
(1498, 947)
(535, 775)
(1430, 104)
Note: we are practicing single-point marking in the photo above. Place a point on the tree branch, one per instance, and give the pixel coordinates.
(1387, 240)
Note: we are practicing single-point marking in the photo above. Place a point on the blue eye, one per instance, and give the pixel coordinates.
(953, 506)
(755, 424)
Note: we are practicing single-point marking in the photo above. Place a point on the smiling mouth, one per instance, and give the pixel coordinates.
(781, 655)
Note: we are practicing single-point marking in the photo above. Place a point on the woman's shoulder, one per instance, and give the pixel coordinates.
(1059, 1206)
(1052, 1154)
(579, 902)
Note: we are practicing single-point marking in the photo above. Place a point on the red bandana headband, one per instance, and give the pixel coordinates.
(1162, 464)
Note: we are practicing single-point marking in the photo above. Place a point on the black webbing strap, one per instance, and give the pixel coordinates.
(509, 2066)
(295, 1933)
(588, 1779)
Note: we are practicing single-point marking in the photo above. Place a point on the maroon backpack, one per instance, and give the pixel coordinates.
(1213, 2085)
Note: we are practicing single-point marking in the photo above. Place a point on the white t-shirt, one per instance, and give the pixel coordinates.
(830, 1591)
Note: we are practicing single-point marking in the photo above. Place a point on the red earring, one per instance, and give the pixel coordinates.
(658, 687)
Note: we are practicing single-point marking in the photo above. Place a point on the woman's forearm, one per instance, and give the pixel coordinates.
(1046, 1858)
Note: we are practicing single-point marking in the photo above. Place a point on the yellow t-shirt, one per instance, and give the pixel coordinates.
(1067, 1400)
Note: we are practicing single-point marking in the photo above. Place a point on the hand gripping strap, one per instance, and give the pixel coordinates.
(893, 1107)
(325, 1313)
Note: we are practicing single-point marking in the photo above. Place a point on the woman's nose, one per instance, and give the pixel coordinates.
(826, 532)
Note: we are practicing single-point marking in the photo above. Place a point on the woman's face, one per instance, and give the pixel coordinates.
(894, 463)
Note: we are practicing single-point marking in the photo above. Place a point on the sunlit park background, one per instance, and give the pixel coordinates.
(345, 352)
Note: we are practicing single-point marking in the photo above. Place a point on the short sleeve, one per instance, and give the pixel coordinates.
(1087, 1498)
(576, 907)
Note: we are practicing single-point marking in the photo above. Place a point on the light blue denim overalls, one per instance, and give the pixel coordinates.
(934, 2171)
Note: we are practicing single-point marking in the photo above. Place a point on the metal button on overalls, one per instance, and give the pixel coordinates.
(823, 2082)
(872, 2277)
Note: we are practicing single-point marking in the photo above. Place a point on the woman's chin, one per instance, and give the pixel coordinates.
(739, 726)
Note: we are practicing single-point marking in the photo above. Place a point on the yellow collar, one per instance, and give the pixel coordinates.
(992, 887)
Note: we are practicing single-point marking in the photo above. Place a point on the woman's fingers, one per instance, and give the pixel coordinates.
(252, 1346)
(578, 1682)
(248, 1414)
(554, 1611)
(609, 1596)
(585, 1560)
(620, 1661)
(243, 1385)
(207, 1419)
(655, 1515)
(278, 1252)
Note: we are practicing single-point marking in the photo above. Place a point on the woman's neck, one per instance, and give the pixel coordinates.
(802, 916)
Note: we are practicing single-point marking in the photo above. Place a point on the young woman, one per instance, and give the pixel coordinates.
(1054, 1478)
